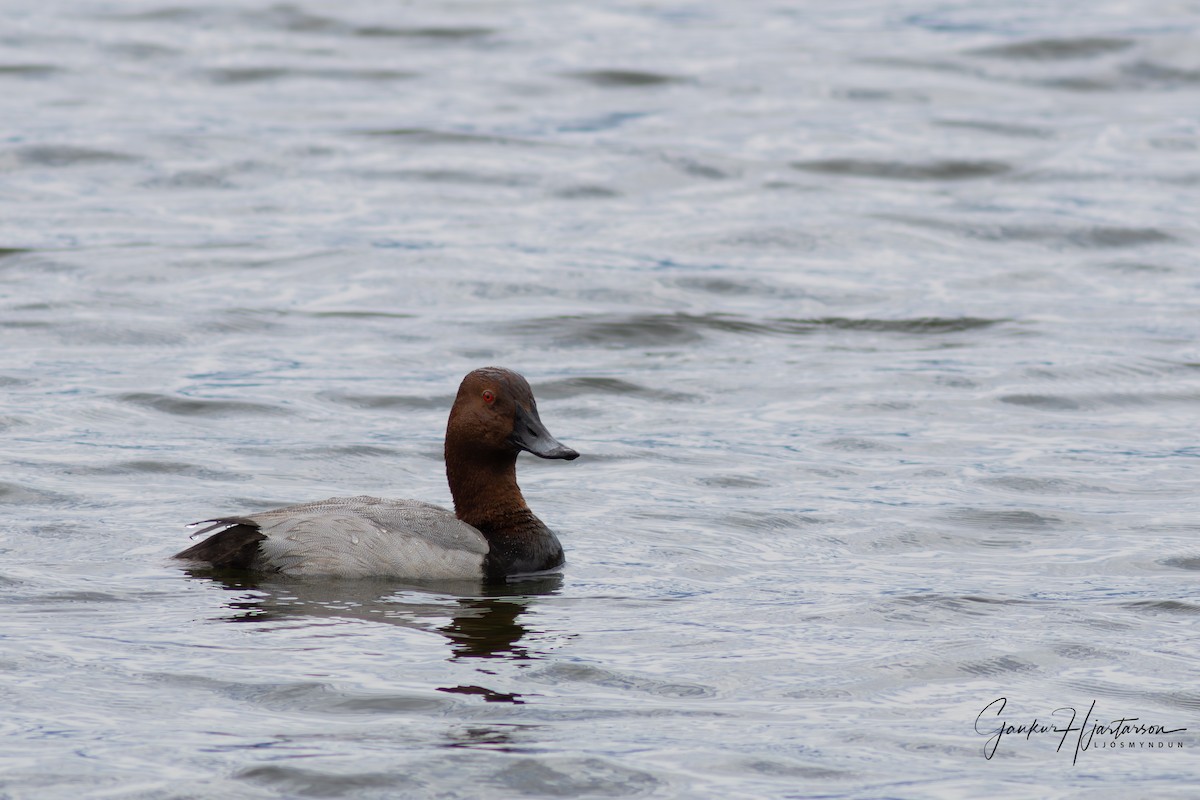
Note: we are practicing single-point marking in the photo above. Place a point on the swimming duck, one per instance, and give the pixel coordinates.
(491, 535)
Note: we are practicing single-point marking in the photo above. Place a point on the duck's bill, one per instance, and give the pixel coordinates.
(530, 434)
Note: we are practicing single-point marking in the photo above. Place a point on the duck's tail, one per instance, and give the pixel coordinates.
(235, 547)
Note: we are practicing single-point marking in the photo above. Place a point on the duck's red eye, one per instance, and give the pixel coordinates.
(489, 396)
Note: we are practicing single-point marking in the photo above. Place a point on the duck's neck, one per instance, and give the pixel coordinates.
(486, 496)
(485, 491)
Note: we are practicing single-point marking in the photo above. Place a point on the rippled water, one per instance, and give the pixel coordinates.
(876, 325)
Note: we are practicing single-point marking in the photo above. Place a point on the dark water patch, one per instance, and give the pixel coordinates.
(955, 382)
(357, 314)
(358, 74)
(16, 494)
(1001, 665)
(680, 328)
(648, 330)
(192, 179)
(870, 95)
(575, 777)
(1108, 236)
(27, 323)
(66, 532)
(1138, 76)
(1094, 686)
(61, 155)
(293, 19)
(903, 607)
(169, 14)
(1182, 562)
(779, 768)
(1132, 399)
(892, 405)
(352, 450)
(1092, 236)
(498, 290)
(1091, 402)
(1080, 652)
(320, 697)
(697, 169)
(1134, 267)
(1164, 606)
(301, 695)
(942, 170)
(732, 482)
(383, 401)
(594, 123)
(1043, 486)
(998, 520)
(1183, 700)
(920, 325)
(999, 128)
(386, 704)
(241, 75)
(245, 321)
(458, 176)
(586, 192)
(442, 33)
(994, 601)
(725, 286)
(28, 70)
(6, 252)
(850, 444)
(151, 467)
(1150, 74)
(588, 385)
(561, 673)
(191, 407)
(768, 521)
(245, 74)
(1055, 49)
(142, 51)
(436, 137)
(111, 332)
(1174, 144)
(953, 67)
(297, 782)
(222, 177)
(622, 78)
(972, 603)
(78, 597)
(1084, 83)
(782, 239)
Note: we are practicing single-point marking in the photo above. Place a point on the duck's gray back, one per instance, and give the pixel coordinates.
(367, 536)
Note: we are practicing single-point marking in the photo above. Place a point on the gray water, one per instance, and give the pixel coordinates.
(876, 323)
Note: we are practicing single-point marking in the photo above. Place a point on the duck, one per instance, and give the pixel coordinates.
(491, 535)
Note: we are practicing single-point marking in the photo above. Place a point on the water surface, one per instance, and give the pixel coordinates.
(876, 326)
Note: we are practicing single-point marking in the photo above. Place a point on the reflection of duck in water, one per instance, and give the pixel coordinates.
(491, 536)
(483, 621)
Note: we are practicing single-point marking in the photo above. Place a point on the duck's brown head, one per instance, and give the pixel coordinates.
(495, 416)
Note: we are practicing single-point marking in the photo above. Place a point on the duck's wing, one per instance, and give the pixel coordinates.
(351, 537)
